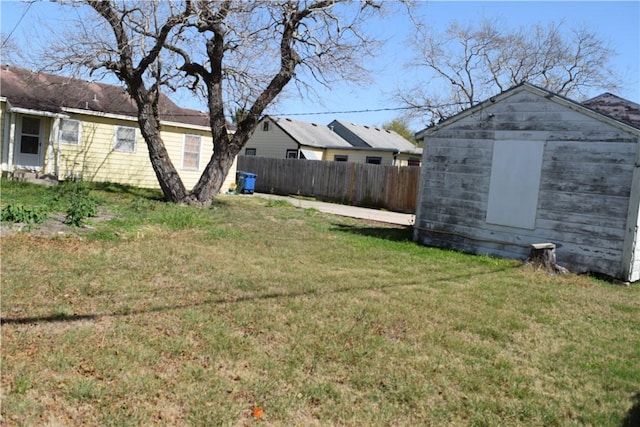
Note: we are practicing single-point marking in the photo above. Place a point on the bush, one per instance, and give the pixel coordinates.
(24, 214)
(81, 207)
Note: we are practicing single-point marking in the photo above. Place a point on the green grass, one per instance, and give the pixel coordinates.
(172, 315)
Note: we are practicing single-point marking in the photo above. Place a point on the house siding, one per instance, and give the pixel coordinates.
(585, 185)
(360, 156)
(272, 143)
(96, 160)
(3, 134)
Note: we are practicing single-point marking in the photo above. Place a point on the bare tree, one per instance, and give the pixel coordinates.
(237, 54)
(470, 63)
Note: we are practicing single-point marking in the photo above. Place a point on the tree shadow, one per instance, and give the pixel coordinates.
(391, 232)
(116, 188)
(633, 416)
(226, 300)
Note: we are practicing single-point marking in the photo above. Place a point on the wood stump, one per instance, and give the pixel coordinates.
(543, 255)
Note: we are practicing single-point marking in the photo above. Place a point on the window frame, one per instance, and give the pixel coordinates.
(184, 151)
(292, 151)
(265, 126)
(116, 144)
(78, 132)
(250, 152)
(26, 135)
(373, 160)
(340, 158)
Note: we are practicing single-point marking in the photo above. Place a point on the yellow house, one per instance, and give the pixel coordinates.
(65, 127)
(285, 138)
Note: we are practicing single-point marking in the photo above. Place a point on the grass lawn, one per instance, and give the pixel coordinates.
(171, 316)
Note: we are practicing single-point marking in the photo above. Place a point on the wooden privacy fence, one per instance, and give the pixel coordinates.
(389, 187)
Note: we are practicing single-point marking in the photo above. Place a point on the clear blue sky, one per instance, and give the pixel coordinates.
(615, 22)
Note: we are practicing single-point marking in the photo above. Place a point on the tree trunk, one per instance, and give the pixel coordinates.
(170, 182)
(543, 255)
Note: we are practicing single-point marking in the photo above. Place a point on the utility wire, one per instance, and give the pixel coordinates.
(16, 26)
(375, 110)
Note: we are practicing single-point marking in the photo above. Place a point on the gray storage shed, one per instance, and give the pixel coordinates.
(529, 166)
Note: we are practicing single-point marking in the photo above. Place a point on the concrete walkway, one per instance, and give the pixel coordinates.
(345, 210)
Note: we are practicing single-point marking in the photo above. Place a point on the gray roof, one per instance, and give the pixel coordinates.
(381, 139)
(310, 134)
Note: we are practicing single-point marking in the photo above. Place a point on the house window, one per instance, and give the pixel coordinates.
(30, 136)
(265, 126)
(340, 158)
(125, 139)
(413, 162)
(374, 160)
(70, 131)
(249, 151)
(292, 154)
(191, 152)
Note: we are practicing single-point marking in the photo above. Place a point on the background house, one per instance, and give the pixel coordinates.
(395, 149)
(528, 166)
(283, 138)
(70, 127)
(277, 137)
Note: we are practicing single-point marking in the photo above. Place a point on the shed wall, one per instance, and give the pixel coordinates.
(585, 185)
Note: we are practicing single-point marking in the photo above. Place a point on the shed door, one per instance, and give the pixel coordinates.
(30, 144)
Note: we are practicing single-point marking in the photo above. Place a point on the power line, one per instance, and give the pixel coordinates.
(16, 26)
(373, 110)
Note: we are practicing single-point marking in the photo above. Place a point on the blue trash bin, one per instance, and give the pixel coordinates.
(245, 182)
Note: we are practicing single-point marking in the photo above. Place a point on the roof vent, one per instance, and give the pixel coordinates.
(95, 97)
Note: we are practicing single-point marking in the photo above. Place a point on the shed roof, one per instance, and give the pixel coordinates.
(583, 108)
(52, 93)
(374, 137)
(310, 134)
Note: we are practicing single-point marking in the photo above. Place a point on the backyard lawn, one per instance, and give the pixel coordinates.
(254, 312)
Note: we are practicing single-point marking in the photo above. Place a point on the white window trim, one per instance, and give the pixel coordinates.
(79, 138)
(184, 145)
(115, 140)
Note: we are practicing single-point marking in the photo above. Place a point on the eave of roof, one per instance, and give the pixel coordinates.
(53, 93)
(536, 90)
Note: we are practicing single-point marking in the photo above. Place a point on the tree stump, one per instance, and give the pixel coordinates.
(543, 255)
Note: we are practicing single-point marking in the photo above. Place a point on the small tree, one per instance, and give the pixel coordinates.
(401, 127)
(235, 53)
(470, 63)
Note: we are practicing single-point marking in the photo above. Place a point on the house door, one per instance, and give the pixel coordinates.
(30, 144)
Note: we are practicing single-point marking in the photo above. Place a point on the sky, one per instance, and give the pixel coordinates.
(615, 22)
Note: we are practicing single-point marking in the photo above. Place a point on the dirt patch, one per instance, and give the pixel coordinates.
(54, 226)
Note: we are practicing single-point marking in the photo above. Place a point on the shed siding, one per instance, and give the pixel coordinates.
(583, 202)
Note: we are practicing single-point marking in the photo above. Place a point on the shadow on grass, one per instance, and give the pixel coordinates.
(221, 300)
(113, 187)
(633, 416)
(392, 233)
